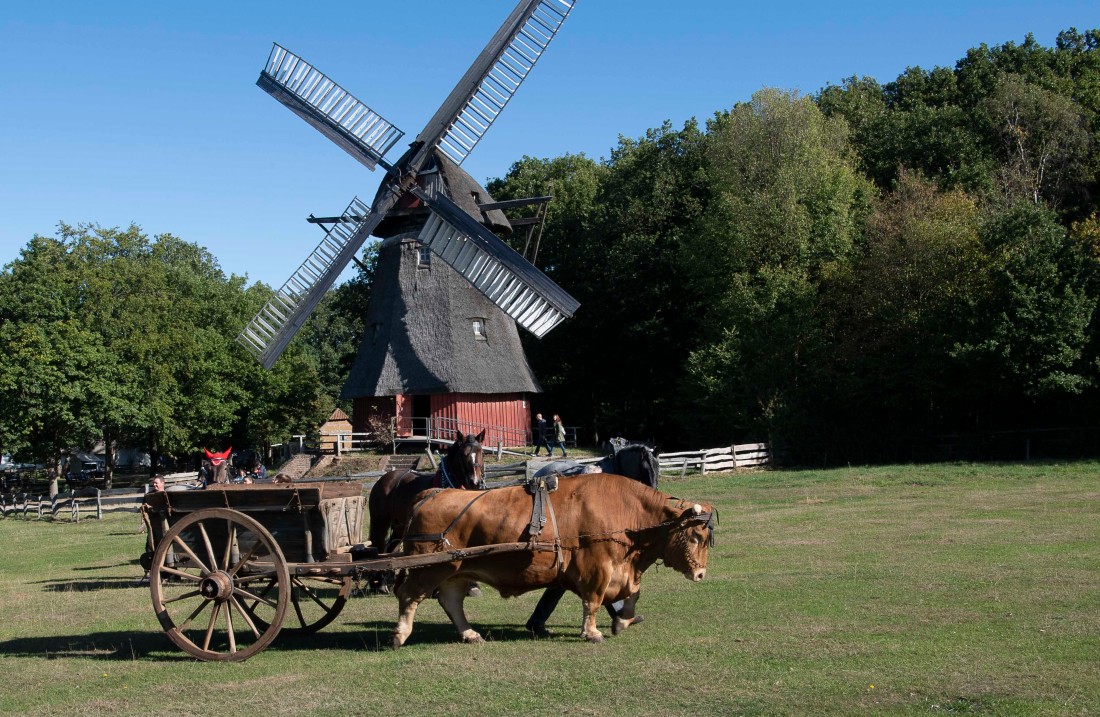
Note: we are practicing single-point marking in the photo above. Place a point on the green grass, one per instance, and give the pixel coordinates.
(906, 590)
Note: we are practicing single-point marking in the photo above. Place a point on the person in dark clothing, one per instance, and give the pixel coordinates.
(540, 424)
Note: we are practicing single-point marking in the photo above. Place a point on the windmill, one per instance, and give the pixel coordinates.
(500, 274)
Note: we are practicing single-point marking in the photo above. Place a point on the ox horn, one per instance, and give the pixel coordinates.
(696, 509)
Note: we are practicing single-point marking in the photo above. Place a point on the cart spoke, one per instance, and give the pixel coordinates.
(244, 613)
(193, 615)
(184, 596)
(230, 540)
(209, 547)
(256, 599)
(210, 627)
(229, 629)
(191, 554)
(180, 574)
(313, 596)
(248, 556)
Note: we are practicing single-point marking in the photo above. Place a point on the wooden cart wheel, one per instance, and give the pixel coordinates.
(206, 580)
(315, 601)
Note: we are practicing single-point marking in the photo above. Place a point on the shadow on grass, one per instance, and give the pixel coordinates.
(126, 564)
(374, 636)
(434, 633)
(93, 585)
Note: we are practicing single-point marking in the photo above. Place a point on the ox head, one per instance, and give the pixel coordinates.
(691, 537)
(463, 464)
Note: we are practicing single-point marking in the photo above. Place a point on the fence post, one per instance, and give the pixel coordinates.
(40, 507)
(98, 505)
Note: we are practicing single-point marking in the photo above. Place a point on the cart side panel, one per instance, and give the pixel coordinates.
(306, 527)
(343, 522)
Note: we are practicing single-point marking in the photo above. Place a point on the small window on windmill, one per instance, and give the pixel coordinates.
(479, 329)
(425, 258)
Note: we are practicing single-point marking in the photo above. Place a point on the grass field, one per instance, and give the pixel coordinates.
(906, 590)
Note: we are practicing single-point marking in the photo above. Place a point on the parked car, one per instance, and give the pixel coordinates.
(85, 470)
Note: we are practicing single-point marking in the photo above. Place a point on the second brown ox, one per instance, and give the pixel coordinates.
(610, 530)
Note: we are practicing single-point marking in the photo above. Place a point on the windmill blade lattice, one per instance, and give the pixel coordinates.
(523, 292)
(274, 326)
(332, 110)
(493, 79)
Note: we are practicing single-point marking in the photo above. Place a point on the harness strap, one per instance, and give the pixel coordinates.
(559, 558)
(439, 537)
(538, 512)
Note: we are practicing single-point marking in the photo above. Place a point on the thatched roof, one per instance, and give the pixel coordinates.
(419, 335)
(446, 176)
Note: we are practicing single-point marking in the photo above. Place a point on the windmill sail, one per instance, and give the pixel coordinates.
(523, 292)
(332, 110)
(482, 93)
(275, 325)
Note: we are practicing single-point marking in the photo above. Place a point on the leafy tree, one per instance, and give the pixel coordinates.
(1044, 138)
(786, 214)
(1031, 330)
(112, 335)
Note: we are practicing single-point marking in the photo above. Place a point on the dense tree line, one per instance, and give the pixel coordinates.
(848, 274)
(110, 335)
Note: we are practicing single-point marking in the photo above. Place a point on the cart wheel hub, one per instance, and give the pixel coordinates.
(217, 586)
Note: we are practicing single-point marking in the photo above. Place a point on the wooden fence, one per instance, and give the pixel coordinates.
(747, 455)
(70, 503)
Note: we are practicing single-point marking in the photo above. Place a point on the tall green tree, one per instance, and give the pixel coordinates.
(786, 214)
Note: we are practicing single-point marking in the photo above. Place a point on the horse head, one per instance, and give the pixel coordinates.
(462, 466)
(219, 465)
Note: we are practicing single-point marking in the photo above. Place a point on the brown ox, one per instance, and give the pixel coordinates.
(611, 529)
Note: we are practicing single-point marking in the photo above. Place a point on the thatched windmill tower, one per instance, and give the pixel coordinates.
(436, 353)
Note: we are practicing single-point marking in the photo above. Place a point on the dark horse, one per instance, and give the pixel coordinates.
(392, 497)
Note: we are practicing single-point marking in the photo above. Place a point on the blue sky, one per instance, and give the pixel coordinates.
(147, 112)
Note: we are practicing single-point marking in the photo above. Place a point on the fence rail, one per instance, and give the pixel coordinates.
(747, 455)
(70, 503)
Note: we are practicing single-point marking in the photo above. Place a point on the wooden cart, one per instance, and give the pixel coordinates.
(232, 566)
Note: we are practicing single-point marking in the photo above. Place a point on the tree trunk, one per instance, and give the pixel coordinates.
(54, 473)
(154, 456)
(108, 457)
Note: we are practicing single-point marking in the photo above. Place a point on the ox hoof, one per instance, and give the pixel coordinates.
(598, 637)
(471, 637)
(539, 631)
(398, 641)
(619, 624)
(474, 591)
